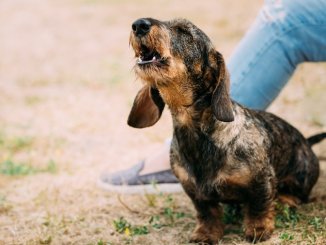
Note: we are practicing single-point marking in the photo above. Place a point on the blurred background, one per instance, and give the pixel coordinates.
(66, 88)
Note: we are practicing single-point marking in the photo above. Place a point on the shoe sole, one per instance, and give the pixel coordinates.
(141, 189)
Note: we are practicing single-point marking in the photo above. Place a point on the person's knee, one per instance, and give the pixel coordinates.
(293, 13)
(289, 6)
(279, 12)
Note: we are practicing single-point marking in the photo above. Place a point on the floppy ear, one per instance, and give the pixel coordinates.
(221, 101)
(147, 108)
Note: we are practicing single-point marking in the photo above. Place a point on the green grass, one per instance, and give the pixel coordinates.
(14, 144)
(10, 147)
(11, 168)
(307, 223)
(285, 236)
(101, 242)
(46, 240)
(316, 222)
(166, 215)
(122, 226)
(286, 217)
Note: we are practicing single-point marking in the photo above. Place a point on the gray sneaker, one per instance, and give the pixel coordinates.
(130, 181)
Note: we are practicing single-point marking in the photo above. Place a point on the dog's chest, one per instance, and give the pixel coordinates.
(223, 186)
(203, 168)
(198, 153)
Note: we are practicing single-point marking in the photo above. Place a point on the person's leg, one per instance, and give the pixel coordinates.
(159, 161)
(284, 34)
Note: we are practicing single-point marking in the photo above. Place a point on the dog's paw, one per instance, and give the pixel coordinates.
(259, 229)
(259, 234)
(206, 235)
(202, 239)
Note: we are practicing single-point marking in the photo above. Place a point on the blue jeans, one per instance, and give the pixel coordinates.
(285, 34)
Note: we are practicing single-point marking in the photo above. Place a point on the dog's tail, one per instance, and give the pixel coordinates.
(316, 138)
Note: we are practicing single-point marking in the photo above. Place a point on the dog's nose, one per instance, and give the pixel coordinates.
(141, 26)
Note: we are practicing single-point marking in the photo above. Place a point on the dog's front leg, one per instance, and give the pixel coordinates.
(259, 211)
(209, 228)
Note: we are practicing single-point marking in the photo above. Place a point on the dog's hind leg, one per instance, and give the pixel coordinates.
(301, 176)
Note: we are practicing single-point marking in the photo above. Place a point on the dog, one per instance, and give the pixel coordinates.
(221, 152)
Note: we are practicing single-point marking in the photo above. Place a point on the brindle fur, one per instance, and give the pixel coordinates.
(221, 151)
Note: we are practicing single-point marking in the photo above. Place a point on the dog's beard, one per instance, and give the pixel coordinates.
(151, 50)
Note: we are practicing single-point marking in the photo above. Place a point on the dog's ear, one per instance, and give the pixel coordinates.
(147, 108)
(221, 102)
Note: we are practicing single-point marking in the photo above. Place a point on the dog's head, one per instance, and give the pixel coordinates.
(179, 65)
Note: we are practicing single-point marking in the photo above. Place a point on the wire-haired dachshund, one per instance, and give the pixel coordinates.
(221, 152)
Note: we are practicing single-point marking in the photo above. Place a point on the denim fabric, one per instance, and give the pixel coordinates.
(285, 34)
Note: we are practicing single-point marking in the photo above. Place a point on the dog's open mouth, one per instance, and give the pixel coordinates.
(148, 56)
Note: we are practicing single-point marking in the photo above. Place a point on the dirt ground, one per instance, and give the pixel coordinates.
(66, 87)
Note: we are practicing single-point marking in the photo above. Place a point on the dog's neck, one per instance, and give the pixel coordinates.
(199, 116)
(190, 106)
(196, 115)
(176, 97)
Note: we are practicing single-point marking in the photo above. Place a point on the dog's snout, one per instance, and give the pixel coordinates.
(141, 27)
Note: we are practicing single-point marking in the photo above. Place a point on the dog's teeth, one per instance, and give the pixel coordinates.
(139, 59)
(154, 58)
